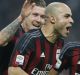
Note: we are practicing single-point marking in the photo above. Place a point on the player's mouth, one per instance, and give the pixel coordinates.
(68, 28)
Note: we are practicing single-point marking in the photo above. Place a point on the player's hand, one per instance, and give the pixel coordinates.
(53, 72)
(26, 8)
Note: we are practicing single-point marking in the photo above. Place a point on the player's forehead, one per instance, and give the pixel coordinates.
(65, 10)
(38, 9)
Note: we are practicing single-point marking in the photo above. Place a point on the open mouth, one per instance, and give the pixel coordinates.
(68, 28)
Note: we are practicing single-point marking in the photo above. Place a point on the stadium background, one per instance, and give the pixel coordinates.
(10, 9)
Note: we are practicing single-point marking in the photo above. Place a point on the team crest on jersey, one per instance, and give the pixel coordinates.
(20, 59)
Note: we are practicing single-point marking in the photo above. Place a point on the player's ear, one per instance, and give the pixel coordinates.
(52, 19)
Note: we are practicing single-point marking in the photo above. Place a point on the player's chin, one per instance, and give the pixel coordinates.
(65, 35)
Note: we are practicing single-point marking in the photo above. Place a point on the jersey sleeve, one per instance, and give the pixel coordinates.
(63, 62)
(21, 52)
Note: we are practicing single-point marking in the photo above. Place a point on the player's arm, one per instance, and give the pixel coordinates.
(55, 70)
(61, 64)
(9, 31)
(16, 71)
(20, 56)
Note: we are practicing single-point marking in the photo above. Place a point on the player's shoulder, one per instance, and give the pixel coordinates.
(33, 33)
(61, 40)
(69, 47)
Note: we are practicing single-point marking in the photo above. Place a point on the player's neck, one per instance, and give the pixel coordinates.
(50, 35)
(25, 28)
(52, 39)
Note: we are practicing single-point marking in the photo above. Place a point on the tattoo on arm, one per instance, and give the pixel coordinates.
(9, 31)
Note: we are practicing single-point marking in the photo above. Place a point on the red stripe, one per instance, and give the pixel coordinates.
(13, 59)
(58, 45)
(37, 57)
(75, 58)
(26, 59)
(5, 72)
(47, 48)
(14, 38)
(54, 54)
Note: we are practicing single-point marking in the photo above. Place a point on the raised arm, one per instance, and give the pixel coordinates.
(9, 31)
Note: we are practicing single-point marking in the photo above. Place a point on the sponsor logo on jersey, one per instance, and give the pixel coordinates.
(36, 71)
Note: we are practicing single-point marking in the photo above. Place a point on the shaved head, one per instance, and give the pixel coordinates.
(58, 19)
(55, 8)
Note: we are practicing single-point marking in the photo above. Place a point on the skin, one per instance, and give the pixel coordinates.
(53, 72)
(55, 26)
(27, 19)
(35, 20)
(58, 21)
(63, 23)
(9, 31)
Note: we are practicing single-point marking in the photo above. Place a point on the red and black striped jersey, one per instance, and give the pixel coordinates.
(69, 58)
(35, 54)
(6, 51)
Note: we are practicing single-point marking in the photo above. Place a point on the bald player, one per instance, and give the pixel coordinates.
(37, 51)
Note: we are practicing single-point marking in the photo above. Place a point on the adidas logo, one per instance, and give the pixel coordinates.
(42, 55)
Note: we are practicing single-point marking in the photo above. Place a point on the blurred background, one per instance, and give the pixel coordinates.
(10, 9)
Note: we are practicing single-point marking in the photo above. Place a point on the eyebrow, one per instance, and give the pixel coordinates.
(67, 15)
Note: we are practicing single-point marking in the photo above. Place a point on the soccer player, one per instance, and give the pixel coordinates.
(37, 51)
(37, 8)
(31, 17)
(68, 59)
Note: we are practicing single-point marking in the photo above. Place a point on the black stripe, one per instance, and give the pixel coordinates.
(25, 40)
(50, 54)
(41, 63)
(67, 47)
